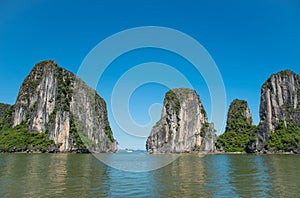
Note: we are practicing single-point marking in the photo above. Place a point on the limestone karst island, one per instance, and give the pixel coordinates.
(55, 111)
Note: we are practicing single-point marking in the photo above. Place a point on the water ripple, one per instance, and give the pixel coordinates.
(67, 175)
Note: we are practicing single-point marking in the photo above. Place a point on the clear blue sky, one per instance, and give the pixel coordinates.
(249, 40)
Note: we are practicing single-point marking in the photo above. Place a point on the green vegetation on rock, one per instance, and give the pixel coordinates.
(172, 100)
(108, 132)
(204, 127)
(49, 97)
(4, 108)
(74, 132)
(285, 73)
(284, 138)
(5, 116)
(298, 96)
(231, 141)
(239, 129)
(19, 139)
(100, 104)
(64, 95)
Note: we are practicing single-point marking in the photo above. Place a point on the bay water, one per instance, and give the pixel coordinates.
(189, 175)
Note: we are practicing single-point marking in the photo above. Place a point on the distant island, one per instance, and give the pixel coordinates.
(57, 112)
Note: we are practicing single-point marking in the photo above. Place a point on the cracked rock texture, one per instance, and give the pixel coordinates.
(54, 101)
(280, 101)
(183, 126)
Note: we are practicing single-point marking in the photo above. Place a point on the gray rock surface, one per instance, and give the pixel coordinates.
(280, 101)
(183, 126)
(54, 101)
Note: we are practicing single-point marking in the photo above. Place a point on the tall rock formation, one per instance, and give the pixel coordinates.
(279, 102)
(239, 128)
(183, 126)
(54, 101)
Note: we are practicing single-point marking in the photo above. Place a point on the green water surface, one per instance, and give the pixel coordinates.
(82, 175)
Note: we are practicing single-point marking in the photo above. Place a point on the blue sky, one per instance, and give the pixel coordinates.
(248, 40)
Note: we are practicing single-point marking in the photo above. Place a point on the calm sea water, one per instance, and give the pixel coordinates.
(82, 175)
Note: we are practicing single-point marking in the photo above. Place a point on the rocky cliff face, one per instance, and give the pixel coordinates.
(239, 128)
(54, 101)
(280, 102)
(183, 126)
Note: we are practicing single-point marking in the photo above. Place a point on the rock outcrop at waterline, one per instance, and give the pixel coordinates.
(53, 101)
(183, 126)
(279, 105)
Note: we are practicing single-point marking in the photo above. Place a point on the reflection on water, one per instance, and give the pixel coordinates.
(51, 175)
(76, 175)
(285, 174)
(248, 176)
(185, 177)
